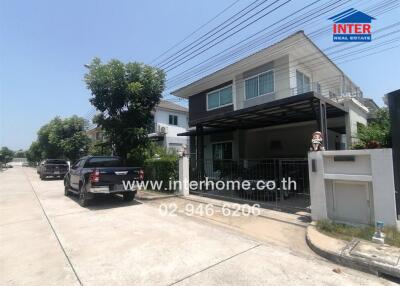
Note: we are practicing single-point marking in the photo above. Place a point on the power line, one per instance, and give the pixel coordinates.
(213, 29)
(195, 31)
(315, 33)
(312, 63)
(249, 45)
(199, 51)
(332, 78)
(278, 31)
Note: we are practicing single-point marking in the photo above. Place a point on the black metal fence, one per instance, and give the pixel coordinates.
(287, 179)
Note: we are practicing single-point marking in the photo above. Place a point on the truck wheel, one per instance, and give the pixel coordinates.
(129, 196)
(41, 176)
(83, 200)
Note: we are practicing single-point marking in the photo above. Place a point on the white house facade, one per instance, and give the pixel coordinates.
(170, 119)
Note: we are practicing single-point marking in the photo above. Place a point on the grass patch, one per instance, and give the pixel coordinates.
(348, 232)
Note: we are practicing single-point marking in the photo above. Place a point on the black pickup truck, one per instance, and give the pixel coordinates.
(93, 175)
(52, 167)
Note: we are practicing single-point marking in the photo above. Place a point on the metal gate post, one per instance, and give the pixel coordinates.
(200, 152)
(394, 111)
(280, 181)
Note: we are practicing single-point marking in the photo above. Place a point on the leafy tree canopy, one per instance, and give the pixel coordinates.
(60, 138)
(377, 134)
(6, 155)
(34, 153)
(124, 95)
(20, 154)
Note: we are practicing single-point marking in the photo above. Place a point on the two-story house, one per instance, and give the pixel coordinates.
(255, 118)
(169, 119)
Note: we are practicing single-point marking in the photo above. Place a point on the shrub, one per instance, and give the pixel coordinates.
(348, 232)
(161, 169)
(377, 134)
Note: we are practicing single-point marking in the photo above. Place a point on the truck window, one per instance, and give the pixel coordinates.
(76, 164)
(103, 162)
(53, 161)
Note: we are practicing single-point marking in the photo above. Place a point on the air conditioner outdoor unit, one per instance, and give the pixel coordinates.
(162, 129)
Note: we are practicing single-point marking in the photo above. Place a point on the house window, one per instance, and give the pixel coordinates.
(99, 136)
(303, 82)
(260, 85)
(173, 120)
(152, 126)
(219, 98)
(222, 151)
(319, 90)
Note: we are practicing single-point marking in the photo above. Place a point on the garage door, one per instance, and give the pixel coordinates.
(351, 202)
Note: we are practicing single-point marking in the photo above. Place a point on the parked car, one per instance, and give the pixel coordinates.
(52, 167)
(92, 175)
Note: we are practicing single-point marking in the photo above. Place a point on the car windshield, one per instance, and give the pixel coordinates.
(56, 161)
(103, 162)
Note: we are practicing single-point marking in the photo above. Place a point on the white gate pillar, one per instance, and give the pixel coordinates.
(183, 173)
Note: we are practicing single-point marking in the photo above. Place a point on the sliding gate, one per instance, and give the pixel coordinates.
(279, 183)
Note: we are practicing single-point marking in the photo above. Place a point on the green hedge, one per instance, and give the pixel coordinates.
(161, 169)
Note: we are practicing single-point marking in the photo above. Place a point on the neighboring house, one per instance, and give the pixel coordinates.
(169, 119)
(267, 106)
(96, 134)
(371, 105)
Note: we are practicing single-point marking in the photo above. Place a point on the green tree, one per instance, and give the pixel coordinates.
(98, 149)
(34, 153)
(125, 95)
(6, 155)
(377, 134)
(48, 146)
(20, 154)
(61, 138)
(70, 137)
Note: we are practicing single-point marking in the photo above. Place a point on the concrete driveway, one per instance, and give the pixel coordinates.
(48, 239)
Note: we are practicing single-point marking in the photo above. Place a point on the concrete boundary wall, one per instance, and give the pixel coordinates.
(366, 194)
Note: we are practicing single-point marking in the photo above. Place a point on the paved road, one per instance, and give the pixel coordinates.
(48, 239)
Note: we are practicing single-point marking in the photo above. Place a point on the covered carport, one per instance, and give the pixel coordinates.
(300, 108)
(306, 109)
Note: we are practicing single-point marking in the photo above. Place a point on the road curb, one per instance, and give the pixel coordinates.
(145, 196)
(339, 251)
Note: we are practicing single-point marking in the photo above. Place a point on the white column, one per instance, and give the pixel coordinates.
(383, 186)
(184, 175)
(317, 186)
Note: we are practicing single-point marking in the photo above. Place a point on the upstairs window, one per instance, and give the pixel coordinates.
(173, 119)
(219, 98)
(259, 85)
(303, 82)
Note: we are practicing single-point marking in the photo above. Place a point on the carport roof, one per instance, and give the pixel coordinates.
(298, 108)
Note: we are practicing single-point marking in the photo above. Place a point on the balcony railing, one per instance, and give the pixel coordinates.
(314, 86)
(321, 90)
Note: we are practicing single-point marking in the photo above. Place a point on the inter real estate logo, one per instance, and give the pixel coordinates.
(352, 26)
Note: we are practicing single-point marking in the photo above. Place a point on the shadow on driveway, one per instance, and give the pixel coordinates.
(103, 202)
